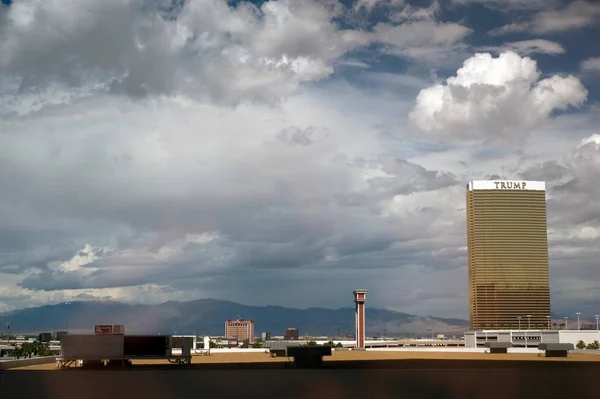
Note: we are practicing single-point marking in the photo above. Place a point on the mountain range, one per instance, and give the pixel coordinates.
(207, 316)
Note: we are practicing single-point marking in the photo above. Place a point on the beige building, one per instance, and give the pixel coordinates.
(509, 285)
(240, 329)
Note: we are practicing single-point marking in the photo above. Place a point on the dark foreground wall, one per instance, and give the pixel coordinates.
(421, 379)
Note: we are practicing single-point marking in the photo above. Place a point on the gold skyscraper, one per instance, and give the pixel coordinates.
(508, 255)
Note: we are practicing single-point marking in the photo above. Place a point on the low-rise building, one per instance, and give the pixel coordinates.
(530, 338)
(45, 337)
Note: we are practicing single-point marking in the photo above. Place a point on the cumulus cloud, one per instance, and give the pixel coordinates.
(575, 193)
(494, 98)
(207, 50)
(575, 15)
(528, 47)
(574, 199)
(573, 222)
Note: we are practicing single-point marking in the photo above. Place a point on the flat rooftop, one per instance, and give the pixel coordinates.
(347, 374)
(348, 359)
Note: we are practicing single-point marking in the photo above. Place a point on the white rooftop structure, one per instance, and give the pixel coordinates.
(530, 338)
(506, 185)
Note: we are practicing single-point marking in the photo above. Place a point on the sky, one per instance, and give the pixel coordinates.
(287, 152)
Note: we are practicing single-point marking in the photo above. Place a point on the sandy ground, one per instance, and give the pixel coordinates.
(339, 357)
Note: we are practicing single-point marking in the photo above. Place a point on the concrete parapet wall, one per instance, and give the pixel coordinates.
(230, 350)
(451, 349)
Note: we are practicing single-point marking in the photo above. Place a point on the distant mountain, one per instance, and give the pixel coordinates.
(207, 316)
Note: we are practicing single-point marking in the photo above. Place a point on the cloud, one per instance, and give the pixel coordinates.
(591, 64)
(426, 41)
(133, 182)
(575, 15)
(211, 148)
(412, 13)
(295, 136)
(573, 197)
(208, 50)
(212, 52)
(492, 98)
(573, 202)
(511, 5)
(412, 32)
(415, 34)
(528, 47)
(368, 5)
(575, 193)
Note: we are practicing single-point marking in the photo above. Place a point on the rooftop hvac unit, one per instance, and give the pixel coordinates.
(118, 329)
(109, 329)
(148, 345)
(92, 346)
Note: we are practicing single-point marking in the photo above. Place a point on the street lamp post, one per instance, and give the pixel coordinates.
(597, 317)
(566, 322)
(548, 317)
(8, 328)
(519, 318)
(529, 322)
(578, 314)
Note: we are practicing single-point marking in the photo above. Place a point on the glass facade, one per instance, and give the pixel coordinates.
(509, 285)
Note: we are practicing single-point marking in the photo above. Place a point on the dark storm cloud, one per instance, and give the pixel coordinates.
(36, 256)
(50, 281)
(576, 196)
(406, 178)
(283, 237)
(547, 171)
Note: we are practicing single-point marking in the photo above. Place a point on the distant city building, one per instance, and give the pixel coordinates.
(266, 336)
(228, 343)
(45, 337)
(509, 285)
(240, 330)
(60, 334)
(291, 334)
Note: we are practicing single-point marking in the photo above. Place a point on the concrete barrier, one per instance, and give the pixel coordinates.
(232, 350)
(11, 364)
(455, 349)
(449, 349)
